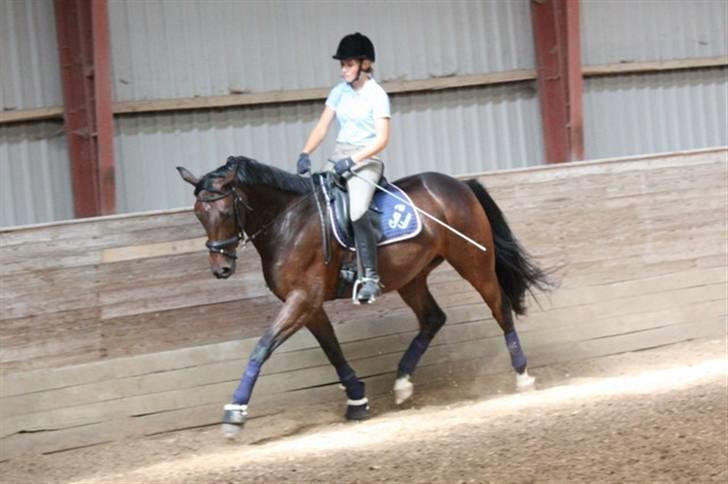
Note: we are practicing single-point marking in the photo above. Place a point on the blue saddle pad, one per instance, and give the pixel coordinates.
(397, 219)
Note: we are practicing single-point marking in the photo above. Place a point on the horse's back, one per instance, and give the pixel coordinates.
(449, 200)
(435, 185)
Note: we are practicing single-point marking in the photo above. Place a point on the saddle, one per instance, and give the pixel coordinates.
(393, 217)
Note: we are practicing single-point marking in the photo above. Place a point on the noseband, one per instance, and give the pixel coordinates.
(220, 246)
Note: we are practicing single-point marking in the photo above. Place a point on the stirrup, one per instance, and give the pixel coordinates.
(359, 283)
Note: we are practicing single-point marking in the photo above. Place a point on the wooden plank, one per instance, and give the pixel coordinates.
(192, 281)
(161, 249)
(25, 115)
(280, 382)
(78, 244)
(66, 338)
(61, 290)
(118, 292)
(428, 376)
(490, 350)
(654, 66)
(392, 87)
(150, 424)
(608, 167)
(300, 95)
(55, 441)
(286, 365)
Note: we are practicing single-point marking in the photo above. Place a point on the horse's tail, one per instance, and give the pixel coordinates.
(514, 267)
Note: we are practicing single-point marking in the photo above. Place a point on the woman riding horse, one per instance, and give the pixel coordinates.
(361, 108)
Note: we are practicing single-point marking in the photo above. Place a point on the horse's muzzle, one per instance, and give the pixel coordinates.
(223, 272)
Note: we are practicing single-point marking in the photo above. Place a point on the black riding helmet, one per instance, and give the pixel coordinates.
(355, 46)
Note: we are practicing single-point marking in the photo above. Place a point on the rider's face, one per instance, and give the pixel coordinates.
(349, 69)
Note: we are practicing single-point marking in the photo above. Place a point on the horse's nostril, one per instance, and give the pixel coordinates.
(223, 272)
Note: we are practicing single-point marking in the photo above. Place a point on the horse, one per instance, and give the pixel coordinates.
(277, 212)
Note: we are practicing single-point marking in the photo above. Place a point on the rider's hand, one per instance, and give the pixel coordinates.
(304, 163)
(341, 167)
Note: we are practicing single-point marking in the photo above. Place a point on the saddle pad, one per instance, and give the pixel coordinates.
(397, 219)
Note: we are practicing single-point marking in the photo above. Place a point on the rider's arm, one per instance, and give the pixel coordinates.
(319, 131)
(380, 141)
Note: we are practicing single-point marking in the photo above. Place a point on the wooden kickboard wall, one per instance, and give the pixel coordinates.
(114, 326)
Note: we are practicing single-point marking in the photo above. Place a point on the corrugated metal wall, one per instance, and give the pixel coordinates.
(213, 48)
(167, 48)
(614, 31)
(34, 166)
(626, 115)
(170, 48)
(30, 72)
(457, 131)
(654, 112)
(35, 182)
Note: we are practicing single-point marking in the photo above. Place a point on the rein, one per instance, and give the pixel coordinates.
(219, 246)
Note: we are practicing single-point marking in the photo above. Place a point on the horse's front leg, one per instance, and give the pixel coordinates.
(357, 405)
(295, 314)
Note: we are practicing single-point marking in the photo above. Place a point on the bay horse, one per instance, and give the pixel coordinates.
(277, 212)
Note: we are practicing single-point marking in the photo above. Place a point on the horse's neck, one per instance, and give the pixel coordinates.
(267, 205)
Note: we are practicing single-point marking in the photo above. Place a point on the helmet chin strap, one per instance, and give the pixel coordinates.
(358, 75)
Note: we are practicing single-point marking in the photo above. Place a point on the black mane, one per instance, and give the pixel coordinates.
(251, 172)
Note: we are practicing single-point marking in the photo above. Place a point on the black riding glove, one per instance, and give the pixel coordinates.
(343, 167)
(304, 163)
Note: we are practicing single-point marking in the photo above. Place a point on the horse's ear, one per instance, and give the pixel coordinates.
(230, 177)
(187, 176)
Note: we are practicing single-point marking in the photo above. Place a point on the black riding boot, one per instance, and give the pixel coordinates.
(366, 248)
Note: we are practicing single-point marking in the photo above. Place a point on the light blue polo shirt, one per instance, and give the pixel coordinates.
(357, 110)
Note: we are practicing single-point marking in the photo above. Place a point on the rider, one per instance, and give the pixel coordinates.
(362, 112)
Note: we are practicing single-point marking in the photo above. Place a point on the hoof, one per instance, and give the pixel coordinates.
(357, 411)
(231, 431)
(525, 382)
(233, 419)
(403, 389)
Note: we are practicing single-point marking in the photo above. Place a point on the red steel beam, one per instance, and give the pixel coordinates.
(558, 55)
(83, 43)
(104, 109)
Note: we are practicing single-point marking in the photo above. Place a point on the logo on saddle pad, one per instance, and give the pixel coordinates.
(397, 221)
(394, 221)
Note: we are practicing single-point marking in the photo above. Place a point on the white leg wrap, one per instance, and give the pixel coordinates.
(242, 409)
(524, 381)
(237, 415)
(403, 389)
(356, 403)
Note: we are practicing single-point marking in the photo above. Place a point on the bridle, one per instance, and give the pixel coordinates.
(219, 246)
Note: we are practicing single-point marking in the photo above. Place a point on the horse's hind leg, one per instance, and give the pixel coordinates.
(479, 270)
(357, 405)
(431, 318)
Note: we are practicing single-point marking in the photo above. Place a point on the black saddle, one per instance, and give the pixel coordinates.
(336, 195)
